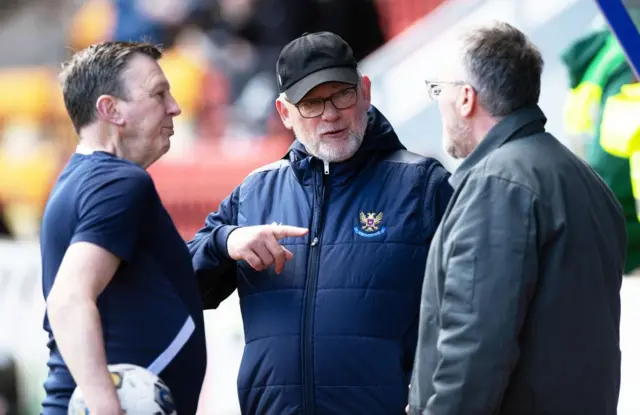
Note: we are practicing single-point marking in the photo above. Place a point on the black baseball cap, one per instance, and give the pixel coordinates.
(314, 59)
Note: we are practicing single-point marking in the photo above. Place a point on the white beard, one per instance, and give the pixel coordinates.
(333, 152)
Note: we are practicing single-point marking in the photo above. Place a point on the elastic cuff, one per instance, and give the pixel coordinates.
(220, 236)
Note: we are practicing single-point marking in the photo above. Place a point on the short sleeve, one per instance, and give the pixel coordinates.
(111, 210)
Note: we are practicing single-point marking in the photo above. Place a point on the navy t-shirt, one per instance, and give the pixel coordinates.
(151, 311)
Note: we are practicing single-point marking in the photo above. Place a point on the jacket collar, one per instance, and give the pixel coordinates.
(520, 123)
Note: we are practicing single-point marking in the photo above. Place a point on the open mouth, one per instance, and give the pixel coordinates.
(334, 134)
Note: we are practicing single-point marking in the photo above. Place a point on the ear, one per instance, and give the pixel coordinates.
(467, 100)
(366, 90)
(107, 110)
(285, 114)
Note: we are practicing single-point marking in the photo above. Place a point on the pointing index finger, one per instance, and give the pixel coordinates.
(282, 231)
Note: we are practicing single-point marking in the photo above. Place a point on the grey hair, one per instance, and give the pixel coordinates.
(503, 66)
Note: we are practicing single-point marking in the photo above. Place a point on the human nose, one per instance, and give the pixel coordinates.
(330, 111)
(173, 108)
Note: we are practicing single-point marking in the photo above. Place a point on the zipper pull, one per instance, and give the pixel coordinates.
(326, 167)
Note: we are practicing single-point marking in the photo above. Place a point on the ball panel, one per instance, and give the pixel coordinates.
(140, 392)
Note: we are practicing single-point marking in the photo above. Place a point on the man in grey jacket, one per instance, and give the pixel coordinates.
(521, 300)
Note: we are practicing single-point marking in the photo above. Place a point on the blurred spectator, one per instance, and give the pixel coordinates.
(4, 228)
(247, 36)
(155, 21)
(8, 385)
(597, 71)
(243, 39)
(338, 16)
(91, 23)
(21, 45)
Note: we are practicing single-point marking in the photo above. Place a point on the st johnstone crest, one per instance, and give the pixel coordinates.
(370, 225)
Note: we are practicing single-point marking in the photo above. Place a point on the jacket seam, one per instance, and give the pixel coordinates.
(538, 199)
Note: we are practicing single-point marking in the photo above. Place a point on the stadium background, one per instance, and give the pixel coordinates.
(221, 68)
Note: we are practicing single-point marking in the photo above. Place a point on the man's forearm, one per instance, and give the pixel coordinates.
(78, 333)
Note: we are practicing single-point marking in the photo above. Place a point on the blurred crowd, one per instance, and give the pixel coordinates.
(220, 57)
(241, 39)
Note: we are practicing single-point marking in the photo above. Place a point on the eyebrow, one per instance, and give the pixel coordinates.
(161, 85)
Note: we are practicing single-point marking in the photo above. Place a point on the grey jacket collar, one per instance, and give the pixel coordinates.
(522, 122)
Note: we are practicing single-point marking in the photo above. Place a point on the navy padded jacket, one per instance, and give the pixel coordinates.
(335, 333)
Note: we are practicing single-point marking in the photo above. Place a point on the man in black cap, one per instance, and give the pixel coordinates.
(345, 218)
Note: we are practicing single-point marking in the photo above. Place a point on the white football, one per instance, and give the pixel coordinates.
(140, 392)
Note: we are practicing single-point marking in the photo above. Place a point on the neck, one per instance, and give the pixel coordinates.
(99, 137)
(481, 128)
(89, 146)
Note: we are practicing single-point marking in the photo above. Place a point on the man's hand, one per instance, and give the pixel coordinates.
(258, 245)
(106, 406)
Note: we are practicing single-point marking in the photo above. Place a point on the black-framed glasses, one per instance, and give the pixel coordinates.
(341, 100)
(435, 87)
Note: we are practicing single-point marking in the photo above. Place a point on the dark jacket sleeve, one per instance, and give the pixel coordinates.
(441, 197)
(437, 194)
(215, 270)
(491, 272)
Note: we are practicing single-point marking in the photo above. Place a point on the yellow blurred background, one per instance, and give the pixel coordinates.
(36, 136)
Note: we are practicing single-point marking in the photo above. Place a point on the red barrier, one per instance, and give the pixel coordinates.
(397, 15)
(194, 184)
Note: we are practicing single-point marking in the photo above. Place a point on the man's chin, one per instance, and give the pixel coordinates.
(166, 142)
(337, 155)
(451, 151)
(163, 150)
(449, 147)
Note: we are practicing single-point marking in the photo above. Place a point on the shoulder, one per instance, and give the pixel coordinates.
(271, 167)
(508, 169)
(118, 172)
(117, 179)
(266, 172)
(406, 157)
(262, 175)
(526, 160)
(434, 169)
(115, 167)
(412, 159)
